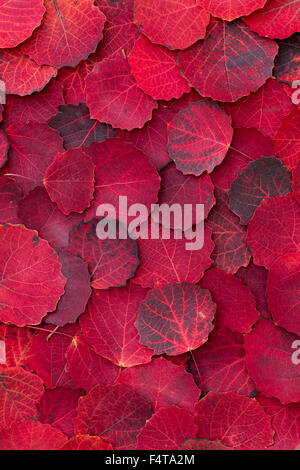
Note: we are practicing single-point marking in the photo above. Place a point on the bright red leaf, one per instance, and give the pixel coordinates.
(87, 443)
(287, 141)
(231, 9)
(10, 195)
(32, 435)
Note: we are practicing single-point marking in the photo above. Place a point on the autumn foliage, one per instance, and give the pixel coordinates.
(141, 344)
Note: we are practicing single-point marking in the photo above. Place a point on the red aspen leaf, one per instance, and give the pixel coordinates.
(20, 391)
(21, 75)
(176, 188)
(115, 413)
(18, 20)
(255, 277)
(156, 72)
(278, 19)
(285, 422)
(231, 251)
(58, 408)
(165, 260)
(31, 283)
(69, 181)
(47, 356)
(287, 62)
(219, 365)
(231, 9)
(73, 82)
(68, 34)
(269, 361)
(33, 147)
(175, 318)
(113, 96)
(32, 435)
(111, 262)
(247, 145)
(77, 291)
(87, 443)
(238, 422)
(17, 343)
(296, 183)
(163, 384)
(264, 178)
(175, 24)
(202, 444)
(236, 307)
(287, 141)
(166, 429)
(283, 292)
(126, 176)
(220, 66)
(10, 195)
(280, 216)
(87, 368)
(262, 110)
(196, 149)
(39, 107)
(36, 211)
(4, 146)
(119, 32)
(76, 127)
(108, 325)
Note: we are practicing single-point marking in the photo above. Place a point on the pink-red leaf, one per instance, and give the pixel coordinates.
(32, 435)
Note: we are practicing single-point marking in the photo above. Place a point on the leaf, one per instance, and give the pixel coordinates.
(31, 435)
(219, 365)
(31, 279)
(11, 194)
(108, 325)
(69, 181)
(166, 260)
(166, 429)
(113, 96)
(32, 150)
(287, 142)
(162, 383)
(17, 343)
(262, 110)
(276, 12)
(229, 55)
(39, 107)
(195, 149)
(287, 60)
(175, 24)
(115, 413)
(58, 408)
(262, 179)
(296, 183)
(236, 308)
(21, 75)
(76, 127)
(86, 443)
(278, 216)
(4, 146)
(126, 176)
(18, 20)
(238, 422)
(77, 291)
(47, 357)
(269, 361)
(283, 292)
(231, 251)
(247, 145)
(20, 391)
(111, 262)
(176, 318)
(69, 33)
(87, 368)
(255, 277)
(231, 9)
(202, 444)
(156, 71)
(73, 82)
(37, 212)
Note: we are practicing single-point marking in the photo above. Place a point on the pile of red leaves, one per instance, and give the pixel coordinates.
(124, 344)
